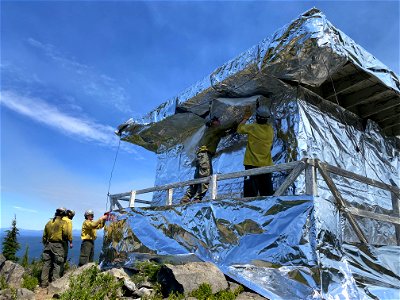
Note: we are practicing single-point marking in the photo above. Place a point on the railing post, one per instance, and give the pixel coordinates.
(341, 204)
(111, 203)
(213, 186)
(132, 199)
(396, 212)
(311, 178)
(169, 197)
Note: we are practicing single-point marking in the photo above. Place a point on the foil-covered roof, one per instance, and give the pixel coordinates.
(309, 52)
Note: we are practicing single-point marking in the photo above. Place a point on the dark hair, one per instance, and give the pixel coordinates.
(261, 120)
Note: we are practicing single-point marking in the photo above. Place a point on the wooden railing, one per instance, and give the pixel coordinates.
(310, 167)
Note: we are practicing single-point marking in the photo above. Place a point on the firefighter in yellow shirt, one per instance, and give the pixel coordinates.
(55, 232)
(258, 152)
(68, 219)
(88, 236)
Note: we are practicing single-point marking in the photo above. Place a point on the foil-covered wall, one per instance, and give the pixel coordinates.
(285, 247)
(290, 247)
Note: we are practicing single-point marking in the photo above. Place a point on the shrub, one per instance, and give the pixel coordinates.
(91, 284)
(146, 271)
(29, 282)
(3, 283)
(204, 292)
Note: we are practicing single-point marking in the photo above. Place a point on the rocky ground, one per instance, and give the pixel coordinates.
(170, 278)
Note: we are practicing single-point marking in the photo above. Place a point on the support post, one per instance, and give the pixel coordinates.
(111, 203)
(291, 178)
(132, 199)
(396, 213)
(311, 178)
(213, 186)
(169, 197)
(341, 204)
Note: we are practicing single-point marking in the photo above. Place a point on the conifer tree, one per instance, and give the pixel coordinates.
(10, 242)
(25, 258)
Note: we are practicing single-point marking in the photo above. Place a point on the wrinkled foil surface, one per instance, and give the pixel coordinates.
(290, 247)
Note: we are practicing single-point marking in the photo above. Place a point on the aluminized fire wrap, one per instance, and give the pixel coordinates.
(290, 247)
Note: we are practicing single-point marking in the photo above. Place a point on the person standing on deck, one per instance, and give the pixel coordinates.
(258, 152)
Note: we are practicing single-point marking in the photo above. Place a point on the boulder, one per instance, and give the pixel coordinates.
(129, 287)
(249, 296)
(2, 260)
(62, 284)
(12, 273)
(18, 294)
(188, 277)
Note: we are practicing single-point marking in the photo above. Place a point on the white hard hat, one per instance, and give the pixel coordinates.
(89, 212)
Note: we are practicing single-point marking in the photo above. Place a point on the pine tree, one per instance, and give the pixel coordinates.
(10, 242)
(25, 258)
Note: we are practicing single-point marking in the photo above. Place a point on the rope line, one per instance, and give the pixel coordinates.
(111, 175)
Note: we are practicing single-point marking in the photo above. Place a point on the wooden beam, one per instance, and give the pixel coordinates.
(343, 84)
(291, 178)
(372, 215)
(396, 212)
(213, 187)
(311, 178)
(393, 130)
(132, 199)
(390, 121)
(354, 176)
(387, 114)
(369, 110)
(341, 204)
(170, 192)
(361, 97)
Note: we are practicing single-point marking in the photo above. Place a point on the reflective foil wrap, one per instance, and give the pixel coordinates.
(294, 246)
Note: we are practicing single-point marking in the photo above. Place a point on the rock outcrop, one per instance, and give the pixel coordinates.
(11, 271)
(188, 277)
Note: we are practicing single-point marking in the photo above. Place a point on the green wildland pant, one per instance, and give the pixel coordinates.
(87, 252)
(53, 259)
(65, 246)
(203, 169)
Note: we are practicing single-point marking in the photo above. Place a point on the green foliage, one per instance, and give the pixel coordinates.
(35, 269)
(146, 271)
(3, 283)
(91, 284)
(29, 282)
(176, 296)
(204, 292)
(10, 242)
(25, 258)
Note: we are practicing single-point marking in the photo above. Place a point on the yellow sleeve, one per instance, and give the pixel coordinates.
(95, 224)
(243, 128)
(69, 230)
(45, 235)
(101, 224)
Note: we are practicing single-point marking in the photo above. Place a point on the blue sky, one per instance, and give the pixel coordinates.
(71, 72)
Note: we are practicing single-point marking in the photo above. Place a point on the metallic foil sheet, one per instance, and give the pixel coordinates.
(281, 247)
(307, 50)
(291, 247)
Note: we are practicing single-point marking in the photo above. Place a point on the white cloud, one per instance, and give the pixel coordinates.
(42, 112)
(100, 86)
(25, 209)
